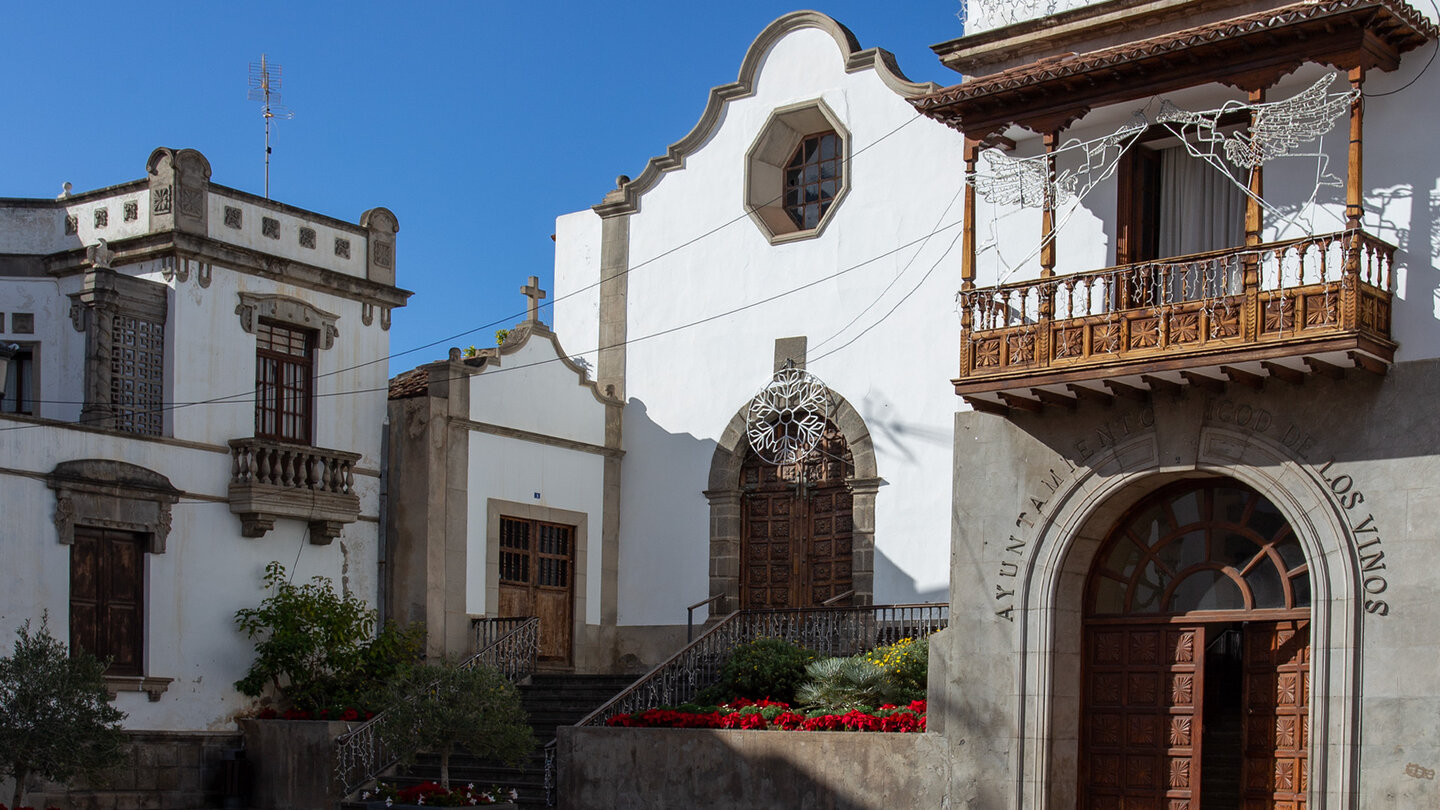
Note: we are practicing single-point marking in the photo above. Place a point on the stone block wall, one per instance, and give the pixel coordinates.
(166, 771)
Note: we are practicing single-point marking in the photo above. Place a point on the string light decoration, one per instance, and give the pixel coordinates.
(1024, 181)
(1277, 129)
(982, 15)
(786, 420)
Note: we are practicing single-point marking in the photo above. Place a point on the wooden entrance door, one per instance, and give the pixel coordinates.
(798, 519)
(537, 579)
(1196, 656)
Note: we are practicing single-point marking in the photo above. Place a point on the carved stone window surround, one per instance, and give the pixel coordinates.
(283, 309)
(112, 495)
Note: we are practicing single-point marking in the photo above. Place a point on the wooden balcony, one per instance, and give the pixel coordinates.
(1285, 309)
(270, 480)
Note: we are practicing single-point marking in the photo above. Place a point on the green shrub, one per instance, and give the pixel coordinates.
(907, 662)
(317, 648)
(764, 668)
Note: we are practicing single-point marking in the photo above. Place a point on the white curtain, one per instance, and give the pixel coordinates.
(1200, 210)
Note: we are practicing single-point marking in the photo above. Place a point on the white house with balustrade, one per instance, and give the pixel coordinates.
(190, 392)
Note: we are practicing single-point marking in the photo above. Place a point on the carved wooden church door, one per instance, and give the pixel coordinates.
(796, 548)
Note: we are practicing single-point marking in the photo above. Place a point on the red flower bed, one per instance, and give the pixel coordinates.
(747, 714)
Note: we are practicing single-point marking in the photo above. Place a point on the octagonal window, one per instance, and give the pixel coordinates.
(795, 171)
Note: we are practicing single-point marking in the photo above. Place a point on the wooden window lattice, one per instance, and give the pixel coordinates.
(137, 374)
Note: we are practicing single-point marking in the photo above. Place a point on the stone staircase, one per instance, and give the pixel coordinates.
(551, 700)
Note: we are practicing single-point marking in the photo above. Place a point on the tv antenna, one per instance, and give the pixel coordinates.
(265, 88)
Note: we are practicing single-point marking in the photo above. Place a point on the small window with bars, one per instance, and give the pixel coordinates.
(536, 553)
(284, 382)
(812, 179)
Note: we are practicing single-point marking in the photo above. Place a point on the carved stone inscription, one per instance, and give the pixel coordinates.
(1342, 487)
(1106, 436)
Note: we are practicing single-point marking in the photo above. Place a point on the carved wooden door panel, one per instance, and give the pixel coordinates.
(536, 579)
(1142, 718)
(798, 521)
(1277, 706)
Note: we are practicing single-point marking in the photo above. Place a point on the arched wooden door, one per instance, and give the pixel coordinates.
(1197, 656)
(796, 544)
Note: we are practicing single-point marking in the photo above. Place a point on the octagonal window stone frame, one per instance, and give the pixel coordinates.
(765, 165)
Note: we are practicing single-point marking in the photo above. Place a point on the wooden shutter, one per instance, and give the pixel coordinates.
(107, 597)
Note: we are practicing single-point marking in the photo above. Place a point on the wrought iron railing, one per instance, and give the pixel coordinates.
(292, 466)
(360, 754)
(508, 645)
(831, 631)
(1313, 286)
(714, 601)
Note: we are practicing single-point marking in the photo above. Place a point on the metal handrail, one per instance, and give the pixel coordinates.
(831, 631)
(690, 615)
(838, 598)
(360, 754)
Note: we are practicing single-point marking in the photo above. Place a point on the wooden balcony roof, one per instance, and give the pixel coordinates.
(1250, 52)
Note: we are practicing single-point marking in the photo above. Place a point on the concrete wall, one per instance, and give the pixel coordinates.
(750, 770)
(683, 387)
(1353, 464)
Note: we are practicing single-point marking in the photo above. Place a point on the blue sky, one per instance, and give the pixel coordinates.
(476, 123)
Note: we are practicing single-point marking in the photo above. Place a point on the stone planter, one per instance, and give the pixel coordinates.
(292, 763)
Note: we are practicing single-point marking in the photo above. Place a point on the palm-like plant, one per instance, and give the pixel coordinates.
(840, 685)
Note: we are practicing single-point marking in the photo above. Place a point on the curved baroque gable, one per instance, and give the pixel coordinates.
(626, 198)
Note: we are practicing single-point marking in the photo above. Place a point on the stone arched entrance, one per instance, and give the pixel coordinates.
(1197, 655)
(1052, 613)
(857, 477)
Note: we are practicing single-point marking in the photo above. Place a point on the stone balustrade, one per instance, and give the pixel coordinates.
(270, 479)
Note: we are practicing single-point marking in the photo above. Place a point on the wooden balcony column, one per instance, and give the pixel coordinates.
(1254, 224)
(1355, 175)
(967, 248)
(1046, 292)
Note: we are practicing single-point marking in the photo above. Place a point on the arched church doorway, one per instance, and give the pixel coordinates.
(796, 539)
(1197, 655)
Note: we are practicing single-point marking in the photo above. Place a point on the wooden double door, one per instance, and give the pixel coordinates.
(1196, 676)
(797, 546)
(537, 578)
(1209, 716)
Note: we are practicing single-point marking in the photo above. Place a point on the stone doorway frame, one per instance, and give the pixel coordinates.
(726, 498)
(1050, 595)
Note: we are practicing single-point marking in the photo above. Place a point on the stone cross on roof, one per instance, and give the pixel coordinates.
(533, 292)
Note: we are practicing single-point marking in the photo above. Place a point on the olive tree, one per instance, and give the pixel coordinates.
(56, 721)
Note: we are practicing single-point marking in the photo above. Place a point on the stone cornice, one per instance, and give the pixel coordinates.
(520, 335)
(626, 198)
(233, 257)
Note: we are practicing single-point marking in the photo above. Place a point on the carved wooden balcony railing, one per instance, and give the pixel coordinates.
(270, 480)
(1280, 309)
